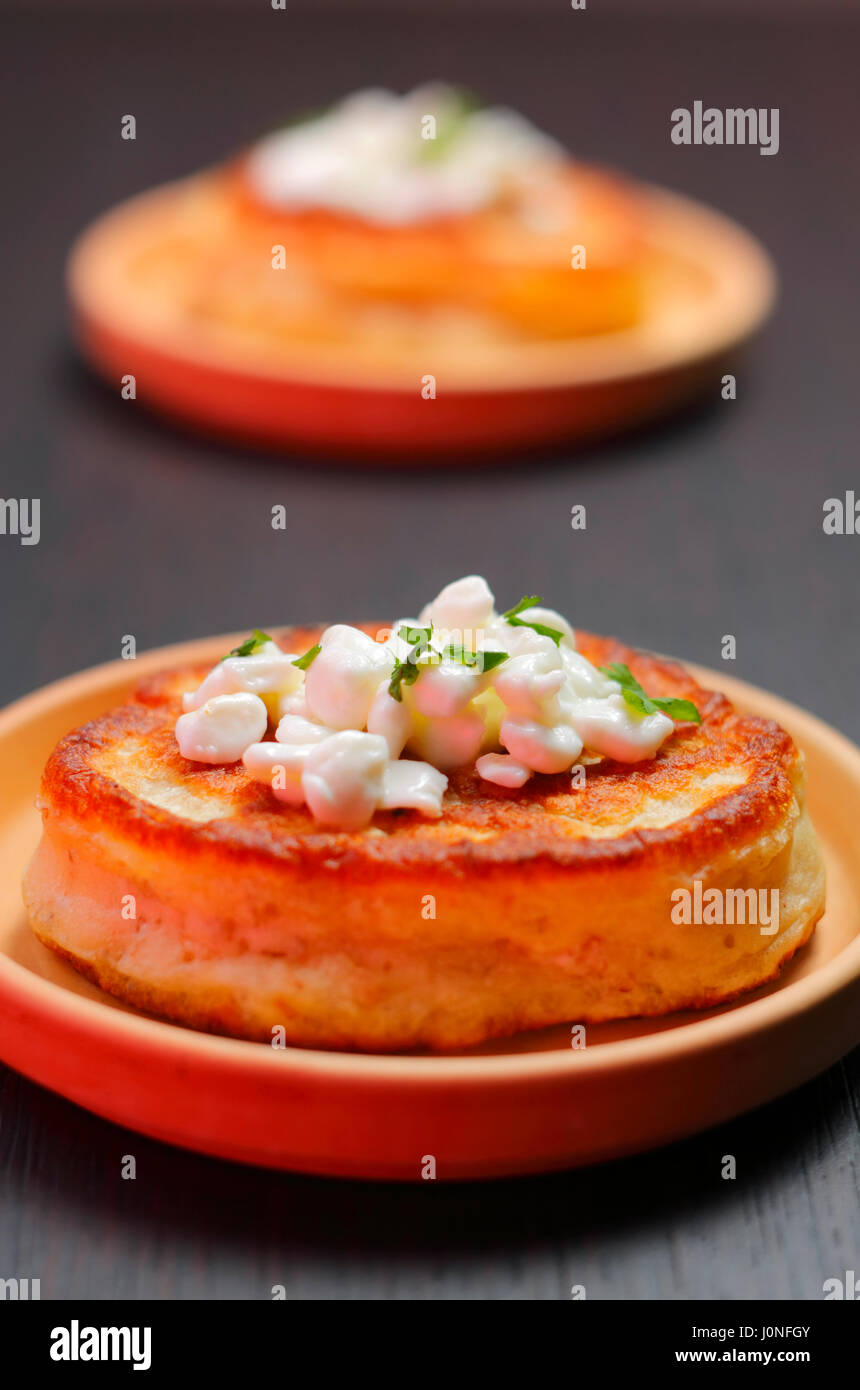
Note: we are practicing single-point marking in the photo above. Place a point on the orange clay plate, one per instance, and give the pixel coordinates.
(711, 285)
(528, 1104)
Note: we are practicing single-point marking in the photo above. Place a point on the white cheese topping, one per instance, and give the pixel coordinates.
(220, 730)
(529, 685)
(342, 681)
(281, 766)
(543, 749)
(342, 778)
(607, 727)
(375, 725)
(399, 159)
(413, 785)
(391, 718)
(502, 769)
(448, 743)
(268, 670)
(465, 605)
(297, 729)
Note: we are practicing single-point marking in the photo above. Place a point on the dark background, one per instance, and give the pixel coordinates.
(711, 525)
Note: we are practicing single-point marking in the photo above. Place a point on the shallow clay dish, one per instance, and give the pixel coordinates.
(528, 1104)
(711, 285)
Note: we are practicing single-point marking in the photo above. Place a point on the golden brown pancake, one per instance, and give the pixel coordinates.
(192, 265)
(189, 891)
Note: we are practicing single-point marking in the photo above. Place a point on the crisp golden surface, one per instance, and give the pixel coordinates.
(518, 909)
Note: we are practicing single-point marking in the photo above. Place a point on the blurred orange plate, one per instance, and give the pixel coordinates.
(712, 287)
(528, 1104)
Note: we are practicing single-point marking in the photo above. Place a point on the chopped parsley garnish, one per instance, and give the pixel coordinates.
(404, 673)
(407, 671)
(450, 125)
(649, 704)
(304, 661)
(531, 601)
(251, 645)
(482, 661)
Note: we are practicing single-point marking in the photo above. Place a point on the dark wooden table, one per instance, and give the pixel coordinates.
(710, 526)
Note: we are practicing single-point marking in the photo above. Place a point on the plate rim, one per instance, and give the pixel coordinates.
(696, 1037)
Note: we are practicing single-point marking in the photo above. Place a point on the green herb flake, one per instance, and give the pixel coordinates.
(531, 601)
(414, 636)
(251, 645)
(484, 661)
(304, 661)
(404, 673)
(636, 698)
(528, 601)
(407, 671)
(490, 660)
(450, 125)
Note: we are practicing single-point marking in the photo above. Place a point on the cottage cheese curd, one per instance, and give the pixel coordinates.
(400, 159)
(460, 685)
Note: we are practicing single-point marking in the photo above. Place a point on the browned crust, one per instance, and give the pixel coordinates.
(514, 826)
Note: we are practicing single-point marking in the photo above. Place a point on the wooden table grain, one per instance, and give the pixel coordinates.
(710, 526)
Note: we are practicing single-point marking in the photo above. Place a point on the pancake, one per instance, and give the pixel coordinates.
(190, 266)
(188, 891)
(488, 273)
